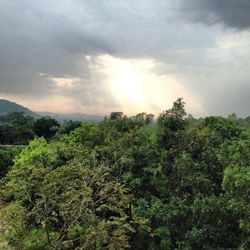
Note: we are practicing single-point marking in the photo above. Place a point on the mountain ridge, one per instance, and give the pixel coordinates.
(7, 107)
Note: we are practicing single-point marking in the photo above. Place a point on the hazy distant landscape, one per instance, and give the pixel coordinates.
(9, 107)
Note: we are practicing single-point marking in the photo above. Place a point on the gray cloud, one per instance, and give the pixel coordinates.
(45, 39)
(232, 13)
(39, 39)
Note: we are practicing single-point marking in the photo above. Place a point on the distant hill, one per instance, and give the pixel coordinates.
(73, 117)
(9, 107)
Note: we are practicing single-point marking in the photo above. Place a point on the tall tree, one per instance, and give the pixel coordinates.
(46, 127)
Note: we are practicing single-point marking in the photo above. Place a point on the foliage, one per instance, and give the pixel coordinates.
(131, 182)
(7, 156)
(69, 126)
(46, 127)
(68, 204)
(17, 128)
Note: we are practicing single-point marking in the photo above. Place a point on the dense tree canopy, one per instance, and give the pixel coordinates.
(131, 182)
(46, 127)
(16, 128)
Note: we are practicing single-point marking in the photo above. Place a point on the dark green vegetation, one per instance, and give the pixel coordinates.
(18, 128)
(127, 182)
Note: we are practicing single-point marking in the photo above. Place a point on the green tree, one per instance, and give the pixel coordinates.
(67, 204)
(236, 182)
(16, 129)
(7, 156)
(46, 127)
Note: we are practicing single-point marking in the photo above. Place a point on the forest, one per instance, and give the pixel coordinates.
(139, 182)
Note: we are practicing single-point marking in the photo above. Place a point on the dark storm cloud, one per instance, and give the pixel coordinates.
(231, 13)
(40, 39)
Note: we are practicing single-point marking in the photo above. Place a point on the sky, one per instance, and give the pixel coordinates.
(95, 57)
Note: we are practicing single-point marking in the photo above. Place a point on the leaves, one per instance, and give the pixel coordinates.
(131, 182)
(57, 199)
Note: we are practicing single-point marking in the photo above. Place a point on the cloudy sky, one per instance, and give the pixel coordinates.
(94, 57)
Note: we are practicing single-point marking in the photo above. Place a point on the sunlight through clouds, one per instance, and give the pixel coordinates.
(131, 86)
(138, 88)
